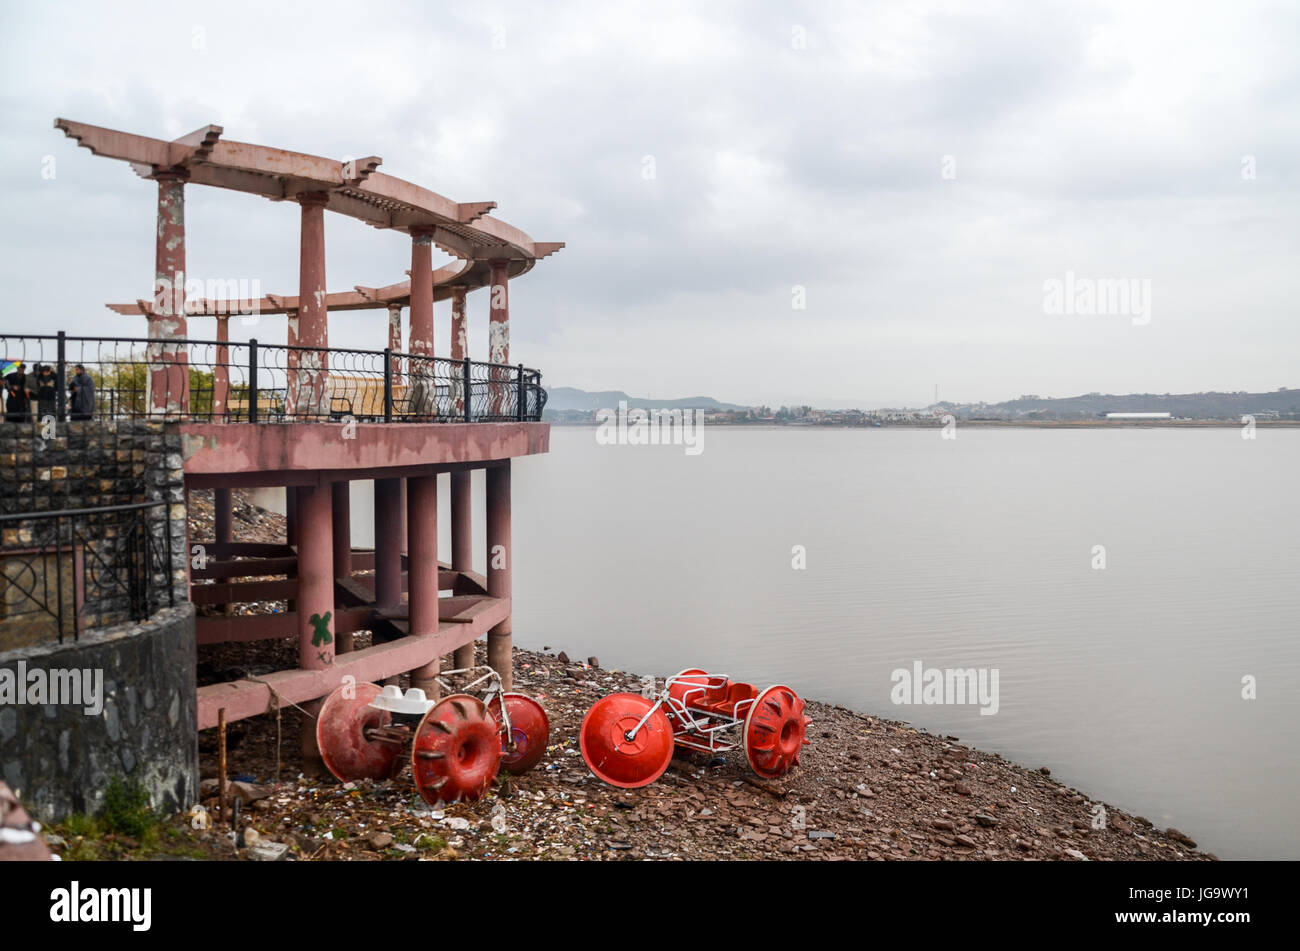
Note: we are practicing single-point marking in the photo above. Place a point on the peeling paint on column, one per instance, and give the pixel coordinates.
(498, 334)
(459, 349)
(311, 396)
(169, 381)
(421, 294)
(395, 339)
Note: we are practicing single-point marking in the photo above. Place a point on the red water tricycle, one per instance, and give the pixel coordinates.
(628, 739)
(457, 744)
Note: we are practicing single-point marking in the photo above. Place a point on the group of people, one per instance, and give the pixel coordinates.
(24, 391)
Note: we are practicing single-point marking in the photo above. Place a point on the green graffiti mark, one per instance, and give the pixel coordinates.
(322, 626)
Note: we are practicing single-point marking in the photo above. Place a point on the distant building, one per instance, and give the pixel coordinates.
(1137, 415)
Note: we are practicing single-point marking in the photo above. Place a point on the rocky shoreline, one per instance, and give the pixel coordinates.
(868, 788)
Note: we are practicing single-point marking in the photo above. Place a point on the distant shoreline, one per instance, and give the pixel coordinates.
(997, 423)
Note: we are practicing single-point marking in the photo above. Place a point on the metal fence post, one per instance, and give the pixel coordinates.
(388, 384)
(252, 380)
(469, 407)
(521, 402)
(61, 379)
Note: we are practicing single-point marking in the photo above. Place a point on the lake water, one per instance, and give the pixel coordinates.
(976, 552)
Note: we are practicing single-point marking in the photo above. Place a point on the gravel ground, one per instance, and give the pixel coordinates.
(867, 788)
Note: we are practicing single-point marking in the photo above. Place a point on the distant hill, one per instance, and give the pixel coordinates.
(567, 398)
(1284, 402)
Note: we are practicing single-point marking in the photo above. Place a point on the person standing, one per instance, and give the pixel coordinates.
(82, 388)
(18, 403)
(47, 391)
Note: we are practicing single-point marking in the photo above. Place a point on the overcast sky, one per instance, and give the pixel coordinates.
(792, 146)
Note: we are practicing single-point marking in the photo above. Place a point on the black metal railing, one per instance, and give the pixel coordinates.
(67, 571)
(262, 383)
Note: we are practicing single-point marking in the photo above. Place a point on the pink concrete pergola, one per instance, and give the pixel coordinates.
(308, 459)
(488, 250)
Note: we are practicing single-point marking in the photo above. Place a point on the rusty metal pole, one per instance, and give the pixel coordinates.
(223, 511)
(422, 571)
(221, 765)
(462, 544)
(309, 385)
(341, 514)
(169, 378)
(498, 333)
(500, 656)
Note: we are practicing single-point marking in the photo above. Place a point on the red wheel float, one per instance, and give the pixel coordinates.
(775, 730)
(614, 753)
(456, 751)
(341, 736)
(530, 731)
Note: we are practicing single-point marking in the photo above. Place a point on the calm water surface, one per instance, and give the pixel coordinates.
(973, 552)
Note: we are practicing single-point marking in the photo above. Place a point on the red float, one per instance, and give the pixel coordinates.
(626, 740)
(623, 735)
(456, 751)
(529, 731)
(347, 738)
(775, 729)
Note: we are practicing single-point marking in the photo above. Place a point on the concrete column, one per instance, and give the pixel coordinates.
(388, 543)
(405, 521)
(221, 371)
(395, 339)
(459, 350)
(341, 509)
(499, 335)
(462, 545)
(422, 291)
(308, 386)
(422, 571)
(169, 378)
(223, 511)
(422, 395)
(315, 601)
(341, 515)
(291, 529)
(500, 657)
(291, 515)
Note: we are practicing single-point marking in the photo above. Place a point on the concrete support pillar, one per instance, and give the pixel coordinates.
(500, 656)
(499, 335)
(290, 515)
(221, 372)
(459, 350)
(422, 571)
(395, 339)
(462, 544)
(308, 384)
(421, 341)
(341, 509)
(169, 377)
(388, 543)
(405, 521)
(423, 390)
(223, 515)
(341, 515)
(315, 601)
